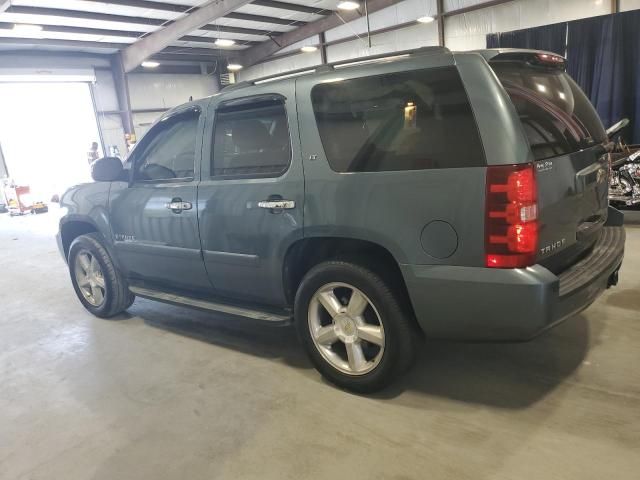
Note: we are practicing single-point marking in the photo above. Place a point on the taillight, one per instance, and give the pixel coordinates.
(511, 225)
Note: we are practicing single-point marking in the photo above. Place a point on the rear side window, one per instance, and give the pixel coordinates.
(556, 115)
(412, 120)
(251, 139)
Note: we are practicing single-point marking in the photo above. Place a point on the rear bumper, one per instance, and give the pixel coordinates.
(485, 304)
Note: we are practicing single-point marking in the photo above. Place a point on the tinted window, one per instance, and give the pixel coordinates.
(168, 150)
(401, 121)
(556, 115)
(252, 139)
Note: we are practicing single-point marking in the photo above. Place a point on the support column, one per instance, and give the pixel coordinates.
(122, 91)
(323, 48)
(440, 17)
(615, 6)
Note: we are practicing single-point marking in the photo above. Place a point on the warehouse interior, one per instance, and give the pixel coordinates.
(163, 391)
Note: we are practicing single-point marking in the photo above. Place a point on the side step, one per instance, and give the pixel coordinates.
(274, 318)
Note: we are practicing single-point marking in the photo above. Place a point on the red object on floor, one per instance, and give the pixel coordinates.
(18, 200)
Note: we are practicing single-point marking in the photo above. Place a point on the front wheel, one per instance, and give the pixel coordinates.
(98, 284)
(353, 326)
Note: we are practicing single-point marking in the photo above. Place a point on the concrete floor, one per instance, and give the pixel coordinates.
(168, 393)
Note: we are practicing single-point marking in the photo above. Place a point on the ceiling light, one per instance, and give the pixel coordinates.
(309, 49)
(224, 42)
(426, 19)
(234, 67)
(26, 28)
(348, 5)
(150, 64)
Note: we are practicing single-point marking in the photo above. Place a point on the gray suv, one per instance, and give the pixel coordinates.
(429, 194)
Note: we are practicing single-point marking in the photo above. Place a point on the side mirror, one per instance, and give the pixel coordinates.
(107, 169)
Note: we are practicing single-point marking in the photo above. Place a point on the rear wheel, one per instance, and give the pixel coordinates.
(98, 284)
(353, 327)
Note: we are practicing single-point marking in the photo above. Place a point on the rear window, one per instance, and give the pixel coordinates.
(556, 115)
(401, 121)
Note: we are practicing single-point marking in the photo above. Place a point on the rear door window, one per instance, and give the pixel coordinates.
(412, 120)
(251, 139)
(556, 115)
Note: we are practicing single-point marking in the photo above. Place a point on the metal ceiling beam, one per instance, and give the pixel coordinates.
(254, 54)
(294, 7)
(241, 30)
(118, 33)
(166, 7)
(134, 55)
(108, 17)
(80, 30)
(51, 42)
(264, 19)
(214, 52)
(187, 58)
(175, 8)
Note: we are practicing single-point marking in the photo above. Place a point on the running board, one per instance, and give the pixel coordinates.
(211, 306)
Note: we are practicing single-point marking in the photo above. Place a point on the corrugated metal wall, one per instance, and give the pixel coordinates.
(462, 32)
(149, 91)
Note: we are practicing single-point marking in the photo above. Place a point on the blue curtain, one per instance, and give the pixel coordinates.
(552, 38)
(493, 40)
(603, 56)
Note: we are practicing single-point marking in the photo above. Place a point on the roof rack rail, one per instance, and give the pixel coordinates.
(328, 67)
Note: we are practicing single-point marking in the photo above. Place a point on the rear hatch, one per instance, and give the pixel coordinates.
(567, 141)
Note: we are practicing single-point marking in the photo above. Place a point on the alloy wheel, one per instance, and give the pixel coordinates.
(346, 328)
(90, 278)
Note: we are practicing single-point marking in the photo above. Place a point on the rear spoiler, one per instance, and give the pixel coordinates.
(538, 58)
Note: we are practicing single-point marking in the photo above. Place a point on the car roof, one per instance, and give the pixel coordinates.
(362, 65)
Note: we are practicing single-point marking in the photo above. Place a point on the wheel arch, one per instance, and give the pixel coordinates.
(305, 253)
(70, 229)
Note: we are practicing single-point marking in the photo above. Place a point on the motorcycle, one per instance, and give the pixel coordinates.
(624, 178)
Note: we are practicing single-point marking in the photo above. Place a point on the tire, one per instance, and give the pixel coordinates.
(116, 296)
(382, 364)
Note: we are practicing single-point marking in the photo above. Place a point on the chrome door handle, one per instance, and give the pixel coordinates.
(277, 204)
(177, 206)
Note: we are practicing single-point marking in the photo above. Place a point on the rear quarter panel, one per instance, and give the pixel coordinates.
(393, 208)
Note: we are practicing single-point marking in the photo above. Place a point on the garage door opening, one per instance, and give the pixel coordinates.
(46, 131)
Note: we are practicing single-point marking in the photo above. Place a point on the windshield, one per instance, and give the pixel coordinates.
(556, 115)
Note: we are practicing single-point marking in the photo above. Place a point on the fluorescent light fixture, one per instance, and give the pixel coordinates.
(426, 19)
(150, 64)
(26, 28)
(309, 49)
(234, 67)
(348, 5)
(224, 42)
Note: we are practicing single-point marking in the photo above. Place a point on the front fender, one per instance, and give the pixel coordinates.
(85, 209)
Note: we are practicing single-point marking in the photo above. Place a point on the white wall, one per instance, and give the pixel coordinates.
(411, 37)
(468, 31)
(150, 90)
(164, 91)
(462, 32)
(418, 35)
(629, 5)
